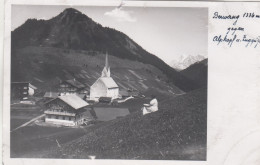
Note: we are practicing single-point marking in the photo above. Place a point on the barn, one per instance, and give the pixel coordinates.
(22, 90)
(105, 86)
(71, 87)
(51, 95)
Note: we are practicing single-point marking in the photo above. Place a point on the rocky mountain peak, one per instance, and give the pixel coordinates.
(184, 61)
(72, 16)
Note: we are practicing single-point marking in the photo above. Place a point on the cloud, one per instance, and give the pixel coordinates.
(121, 15)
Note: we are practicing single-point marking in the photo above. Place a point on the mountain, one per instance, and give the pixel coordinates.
(47, 47)
(177, 131)
(184, 62)
(197, 72)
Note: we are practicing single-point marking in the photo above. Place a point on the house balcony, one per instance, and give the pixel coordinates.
(59, 113)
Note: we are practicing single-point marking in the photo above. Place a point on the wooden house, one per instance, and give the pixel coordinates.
(123, 93)
(51, 95)
(133, 92)
(127, 93)
(65, 110)
(71, 87)
(105, 99)
(22, 90)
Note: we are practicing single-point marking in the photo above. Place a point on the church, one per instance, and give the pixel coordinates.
(105, 86)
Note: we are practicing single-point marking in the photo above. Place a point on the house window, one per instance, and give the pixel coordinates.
(57, 117)
(69, 118)
(63, 118)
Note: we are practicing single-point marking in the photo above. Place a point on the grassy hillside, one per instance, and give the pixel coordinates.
(45, 67)
(73, 31)
(177, 131)
(198, 73)
(34, 141)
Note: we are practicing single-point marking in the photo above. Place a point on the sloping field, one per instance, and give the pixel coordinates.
(34, 141)
(176, 132)
(21, 114)
(50, 63)
(197, 72)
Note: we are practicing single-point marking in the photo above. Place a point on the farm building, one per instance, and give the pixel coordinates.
(31, 89)
(71, 87)
(52, 95)
(127, 93)
(123, 93)
(22, 90)
(105, 86)
(65, 110)
(133, 92)
(105, 99)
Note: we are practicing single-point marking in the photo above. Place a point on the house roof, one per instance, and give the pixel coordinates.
(81, 95)
(74, 101)
(20, 82)
(106, 114)
(109, 82)
(32, 86)
(51, 94)
(75, 83)
(27, 83)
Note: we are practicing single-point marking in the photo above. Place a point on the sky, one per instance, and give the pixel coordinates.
(167, 32)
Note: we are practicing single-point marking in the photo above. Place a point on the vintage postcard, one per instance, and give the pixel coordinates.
(106, 82)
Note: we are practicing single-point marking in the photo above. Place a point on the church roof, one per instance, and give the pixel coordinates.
(32, 86)
(109, 82)
(74, 101)
(105, 77)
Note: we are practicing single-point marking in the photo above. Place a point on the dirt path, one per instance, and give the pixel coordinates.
(25, 124)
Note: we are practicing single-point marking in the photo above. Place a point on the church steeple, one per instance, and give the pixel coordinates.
(106, 63)
(106, 70)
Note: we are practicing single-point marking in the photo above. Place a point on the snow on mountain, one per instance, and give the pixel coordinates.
(184, 62)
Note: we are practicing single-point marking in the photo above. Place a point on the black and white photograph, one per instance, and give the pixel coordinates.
(109, 82)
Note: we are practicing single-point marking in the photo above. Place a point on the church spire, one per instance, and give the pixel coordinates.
(106, 64)
(106, 70)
